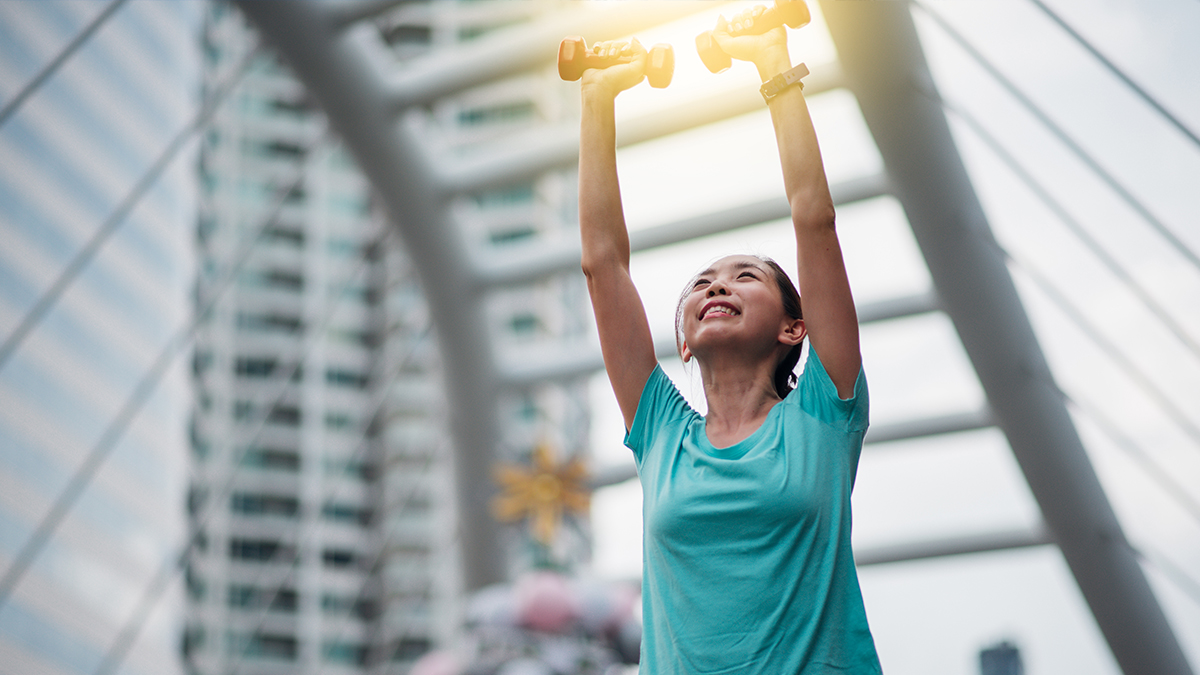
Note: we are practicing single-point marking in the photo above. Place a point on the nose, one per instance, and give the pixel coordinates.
(717, 288)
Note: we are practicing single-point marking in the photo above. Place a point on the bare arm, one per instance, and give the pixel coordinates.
(829, 313)
(625, 339)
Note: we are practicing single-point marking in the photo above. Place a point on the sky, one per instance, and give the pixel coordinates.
(1112, 355)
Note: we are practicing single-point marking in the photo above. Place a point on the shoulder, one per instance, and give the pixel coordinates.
(816, 394)
(661, 406)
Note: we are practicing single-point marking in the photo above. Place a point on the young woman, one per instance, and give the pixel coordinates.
(747, 559)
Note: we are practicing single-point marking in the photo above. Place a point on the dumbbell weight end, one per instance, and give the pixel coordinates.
(660, 65)
(714, 58)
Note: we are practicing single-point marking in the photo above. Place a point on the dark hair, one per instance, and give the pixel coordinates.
(784, 379)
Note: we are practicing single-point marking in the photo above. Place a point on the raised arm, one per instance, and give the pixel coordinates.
(828, 306)
(625, 339)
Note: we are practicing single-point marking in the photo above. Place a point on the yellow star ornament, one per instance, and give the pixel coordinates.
(541, 492)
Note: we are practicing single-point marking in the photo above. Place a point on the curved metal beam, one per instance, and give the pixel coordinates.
(886, 69)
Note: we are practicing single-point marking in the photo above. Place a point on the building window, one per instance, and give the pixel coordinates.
(252, 367)
(339, 420)
(265, 505)
(339, 558)
(269, 323)
(264, 645)
(194, 638)
(260, 550)
(346, 378)
(410, 649)
(517, 195)
(345, 513)
(495, 114)
(282, 235)
(201, 362)
(273, 460)
(242, 596)
(524, 325)
(286, 415)
(347, 605)
(513, 235)
(274, 279)
(350, 653)
(197, 589)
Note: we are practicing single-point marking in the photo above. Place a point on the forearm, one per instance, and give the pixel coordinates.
(601, 218)
(804, 177)
(829, 311)
(625, 340)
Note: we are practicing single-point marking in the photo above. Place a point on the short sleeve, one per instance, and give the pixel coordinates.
(660, 404)
(819, 397)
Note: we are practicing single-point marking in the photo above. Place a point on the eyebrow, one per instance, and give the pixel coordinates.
(741, 265)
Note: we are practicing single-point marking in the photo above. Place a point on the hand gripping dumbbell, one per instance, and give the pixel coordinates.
(574, 58)
(794, 13)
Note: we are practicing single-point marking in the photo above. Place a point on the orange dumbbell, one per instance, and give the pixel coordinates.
(794, 13)
(574, 58)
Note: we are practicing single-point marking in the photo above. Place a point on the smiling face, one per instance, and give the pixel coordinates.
(736, 302)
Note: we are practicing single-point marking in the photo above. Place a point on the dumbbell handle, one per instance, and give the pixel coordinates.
(574, 58)
(793, 13)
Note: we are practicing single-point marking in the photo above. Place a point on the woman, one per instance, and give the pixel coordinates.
(747, 560)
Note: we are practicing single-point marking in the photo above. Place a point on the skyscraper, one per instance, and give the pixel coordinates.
(290, 400)
(323, 497)
(70, 153)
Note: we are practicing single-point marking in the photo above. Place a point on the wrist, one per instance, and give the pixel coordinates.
(597, 91)
(772, 62)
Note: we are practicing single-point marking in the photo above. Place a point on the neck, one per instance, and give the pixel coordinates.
(738, 395)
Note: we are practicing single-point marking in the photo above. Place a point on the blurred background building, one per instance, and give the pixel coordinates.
(322, 499)
(239, 433)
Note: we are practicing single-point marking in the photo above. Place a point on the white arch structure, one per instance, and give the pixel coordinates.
(346, 70)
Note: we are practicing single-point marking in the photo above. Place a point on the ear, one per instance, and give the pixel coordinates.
(793, 332)
(684, 352)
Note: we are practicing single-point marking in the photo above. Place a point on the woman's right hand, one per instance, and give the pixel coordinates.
(768, 51)
(620, 76)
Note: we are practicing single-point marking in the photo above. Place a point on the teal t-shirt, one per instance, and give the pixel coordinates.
(747, 566)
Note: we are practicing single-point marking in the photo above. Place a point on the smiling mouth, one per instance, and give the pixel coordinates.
(718, 310)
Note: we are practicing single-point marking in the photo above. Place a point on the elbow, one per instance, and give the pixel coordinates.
(589, 269)
(599, 257)
(594, 265)
(809, 214)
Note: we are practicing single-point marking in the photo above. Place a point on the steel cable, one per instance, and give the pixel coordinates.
(1056, 130)
(118, 216)
(52, 67)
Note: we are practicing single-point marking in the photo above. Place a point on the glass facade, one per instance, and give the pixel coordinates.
(69, 154)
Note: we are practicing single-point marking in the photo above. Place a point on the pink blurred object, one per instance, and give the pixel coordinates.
(545, 602)
(604, 606)
(437, 663)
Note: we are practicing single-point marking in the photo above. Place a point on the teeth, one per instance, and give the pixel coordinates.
(720, 310)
